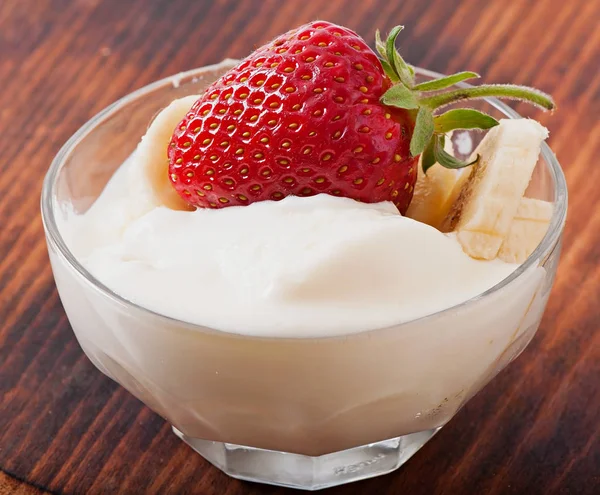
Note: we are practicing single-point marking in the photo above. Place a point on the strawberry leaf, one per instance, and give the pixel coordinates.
(391, 73)
(400, 96)
(380, 45)
(463, 118)
(444, 158)
(445, 82)
(394, 58)
(428, 158)
(423, 131)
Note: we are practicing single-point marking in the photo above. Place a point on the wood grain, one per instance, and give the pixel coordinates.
(65, 428)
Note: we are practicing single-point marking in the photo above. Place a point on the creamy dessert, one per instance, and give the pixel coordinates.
(301, 267)
(311, 265)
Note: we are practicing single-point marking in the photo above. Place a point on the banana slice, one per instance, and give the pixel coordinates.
(483, 215)
(527, 230)
(152, 151)
(436, 191)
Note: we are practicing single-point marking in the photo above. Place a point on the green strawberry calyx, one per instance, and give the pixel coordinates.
(425, 100)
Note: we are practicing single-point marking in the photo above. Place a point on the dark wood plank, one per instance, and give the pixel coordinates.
(66, 428)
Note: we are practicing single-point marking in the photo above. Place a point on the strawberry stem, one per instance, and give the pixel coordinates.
(429, 130)
(445, 82)
(508, 91)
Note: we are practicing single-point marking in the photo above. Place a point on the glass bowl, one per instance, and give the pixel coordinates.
(302, 412)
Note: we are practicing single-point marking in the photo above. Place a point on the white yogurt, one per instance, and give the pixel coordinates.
(300, 267)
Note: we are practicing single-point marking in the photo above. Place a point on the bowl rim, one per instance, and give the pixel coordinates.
(57, 243)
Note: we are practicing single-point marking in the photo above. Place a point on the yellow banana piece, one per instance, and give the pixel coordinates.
(436, 191)
(527, 230)
(153, 151)
(483, 215)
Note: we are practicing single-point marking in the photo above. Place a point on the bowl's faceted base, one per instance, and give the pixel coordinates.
(309, 473)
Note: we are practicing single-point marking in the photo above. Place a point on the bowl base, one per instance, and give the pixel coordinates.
(306, 472)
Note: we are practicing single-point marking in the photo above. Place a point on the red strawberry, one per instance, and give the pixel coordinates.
(313, 112)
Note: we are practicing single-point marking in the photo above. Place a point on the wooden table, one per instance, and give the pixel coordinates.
(66, 428)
